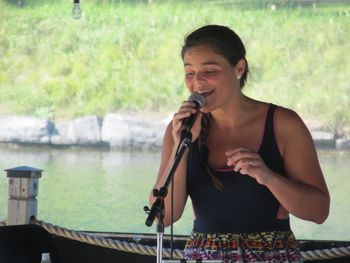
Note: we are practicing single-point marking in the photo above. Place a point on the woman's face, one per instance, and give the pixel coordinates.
(210, 74)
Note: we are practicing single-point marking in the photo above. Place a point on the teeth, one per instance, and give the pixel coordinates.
(203, 91)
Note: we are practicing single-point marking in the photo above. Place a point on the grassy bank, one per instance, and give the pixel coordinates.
(124, 55)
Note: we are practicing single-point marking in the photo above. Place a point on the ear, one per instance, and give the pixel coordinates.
(240, 68)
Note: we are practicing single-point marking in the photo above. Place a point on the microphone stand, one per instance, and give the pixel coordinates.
(157, 209)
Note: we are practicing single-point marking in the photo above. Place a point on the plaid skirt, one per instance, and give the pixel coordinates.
(276, 246)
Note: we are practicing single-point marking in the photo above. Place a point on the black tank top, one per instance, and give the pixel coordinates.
(243, 206)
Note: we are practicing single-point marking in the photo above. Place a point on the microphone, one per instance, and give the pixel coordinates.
(187, 124)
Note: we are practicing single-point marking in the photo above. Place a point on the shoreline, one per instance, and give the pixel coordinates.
(115, 131)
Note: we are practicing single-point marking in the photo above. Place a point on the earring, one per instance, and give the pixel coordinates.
(239, 76)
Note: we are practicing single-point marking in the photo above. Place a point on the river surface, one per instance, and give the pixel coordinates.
(102, 190)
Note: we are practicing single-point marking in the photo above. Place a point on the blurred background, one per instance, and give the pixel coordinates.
(124, 56)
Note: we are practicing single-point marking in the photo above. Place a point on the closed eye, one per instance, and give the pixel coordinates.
(211, 72)
(189, 75)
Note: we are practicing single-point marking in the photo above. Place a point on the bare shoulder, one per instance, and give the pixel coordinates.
(291, 129)
(288, 120)
(287, 115)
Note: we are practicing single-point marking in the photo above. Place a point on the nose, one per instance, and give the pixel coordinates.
(199, 77)
(197, 81)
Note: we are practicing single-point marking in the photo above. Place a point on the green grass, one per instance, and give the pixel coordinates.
(124, 55)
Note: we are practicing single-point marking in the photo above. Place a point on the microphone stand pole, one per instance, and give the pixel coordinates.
(157, 209)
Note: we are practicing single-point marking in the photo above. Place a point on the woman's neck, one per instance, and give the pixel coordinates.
(234, 114)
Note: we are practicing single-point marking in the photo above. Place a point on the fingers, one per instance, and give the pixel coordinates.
(243, 159)
(246, 166)
(248, 162)
(186, 110)
(239, 154)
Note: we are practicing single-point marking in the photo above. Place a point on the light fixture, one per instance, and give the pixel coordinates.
(76, 11)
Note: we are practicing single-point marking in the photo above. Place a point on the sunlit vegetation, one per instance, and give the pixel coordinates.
(124, 55)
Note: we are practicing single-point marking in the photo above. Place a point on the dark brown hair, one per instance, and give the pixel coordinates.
(227, 43)
(222, 40)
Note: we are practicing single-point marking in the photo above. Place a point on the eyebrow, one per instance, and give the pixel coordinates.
(204, 63)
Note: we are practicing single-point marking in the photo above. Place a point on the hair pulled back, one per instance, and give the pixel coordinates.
(224, 41)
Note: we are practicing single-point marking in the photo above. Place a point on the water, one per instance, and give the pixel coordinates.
(106, 190)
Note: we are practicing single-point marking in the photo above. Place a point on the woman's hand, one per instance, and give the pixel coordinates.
(187, 108)
(249, 162)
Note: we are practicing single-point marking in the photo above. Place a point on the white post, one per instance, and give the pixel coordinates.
(23, 189)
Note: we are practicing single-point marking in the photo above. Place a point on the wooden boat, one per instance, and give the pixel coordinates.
(26, 243)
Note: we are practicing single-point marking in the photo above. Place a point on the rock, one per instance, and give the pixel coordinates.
(23, 129)
(84, 131)
(342, 144)
(125, 131)
(115, 130)
(323, 139)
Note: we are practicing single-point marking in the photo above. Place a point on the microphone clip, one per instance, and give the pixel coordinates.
(157, 209)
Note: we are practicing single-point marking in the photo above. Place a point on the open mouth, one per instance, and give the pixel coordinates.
(205, 93)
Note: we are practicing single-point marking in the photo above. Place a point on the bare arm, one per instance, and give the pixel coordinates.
(170, 144)
(180, 193)
(303, 192)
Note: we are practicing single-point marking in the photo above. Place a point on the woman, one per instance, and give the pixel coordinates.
(250, 165)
